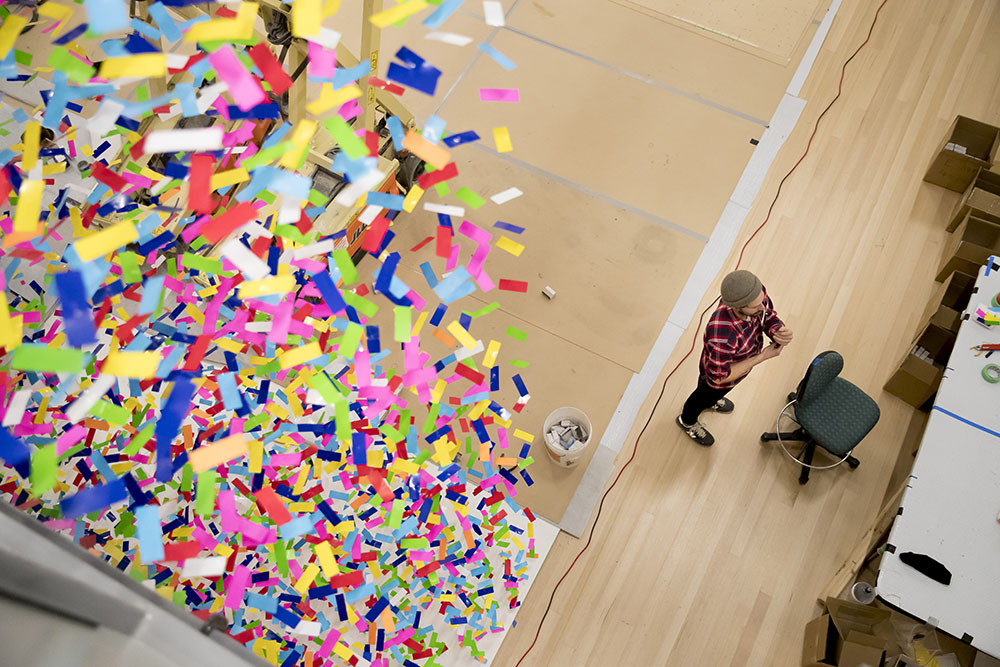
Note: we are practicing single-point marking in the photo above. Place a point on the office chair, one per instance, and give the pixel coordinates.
(830, 411)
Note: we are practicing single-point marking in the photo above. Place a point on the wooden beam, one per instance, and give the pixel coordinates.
(370, 40)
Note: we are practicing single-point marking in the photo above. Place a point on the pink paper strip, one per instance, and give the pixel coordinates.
(243, 86)
(499, 95)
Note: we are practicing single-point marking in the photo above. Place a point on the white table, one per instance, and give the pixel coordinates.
(950, 508)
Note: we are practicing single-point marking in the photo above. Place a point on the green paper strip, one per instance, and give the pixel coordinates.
(348, 272)
(45, 359)
(44, 470)
(130, 266)
(350, 340)
(360, 304)
(199, 263)
(267, 155)
(469, 197)
(518, 363)
(404, 323)
(280, 554)
(485, 310)
(344, 135)
(204, 494)
(113, 414)
(396, 516)
(414, 542)
(75, 69)
(431, 418)
(516, 334)
(342, 416)
(322, 384)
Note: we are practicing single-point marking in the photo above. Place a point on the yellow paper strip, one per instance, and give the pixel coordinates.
(307, 18)
(137, 65)
(238, 28)
(138, 365)
(501, 137)
(301, 137)
(265, 286)
(326, 559)
(29, 206)
(513, 247)
(302, 585)
(231, 177)
(29, 156)
(527, 437)
(426, 151)
(330, 98)
(106, 240)
(9, 31)
(490, 357)
(412, 197)
(300, 355)
(397, 13)
(217, 453)
(463, 337)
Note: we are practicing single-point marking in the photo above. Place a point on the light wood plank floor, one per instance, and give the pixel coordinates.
(715, 557)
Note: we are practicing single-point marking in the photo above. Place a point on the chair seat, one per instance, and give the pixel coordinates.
(839, 418)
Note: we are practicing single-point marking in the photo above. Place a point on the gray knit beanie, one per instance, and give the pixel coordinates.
(739, 288)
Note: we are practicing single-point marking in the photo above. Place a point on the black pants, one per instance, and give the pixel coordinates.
(701, 399)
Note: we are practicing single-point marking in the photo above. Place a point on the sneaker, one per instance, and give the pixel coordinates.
(723, 406)
(698, 433)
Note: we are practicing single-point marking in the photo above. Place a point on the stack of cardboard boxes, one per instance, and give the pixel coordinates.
(962, 164)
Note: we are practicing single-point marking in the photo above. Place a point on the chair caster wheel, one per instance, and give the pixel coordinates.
(791, 397)
(852, 462)
(802, 481)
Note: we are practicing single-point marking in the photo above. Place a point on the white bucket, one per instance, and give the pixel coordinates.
(567, 458)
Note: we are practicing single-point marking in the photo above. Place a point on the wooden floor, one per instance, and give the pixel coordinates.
(715, 557)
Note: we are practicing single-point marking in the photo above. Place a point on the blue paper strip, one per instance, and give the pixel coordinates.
(500, 58)
(437, 18)
(514, 229)
(149, 532)
(460, 138)
(93, 499)
(78, 320)
(328, 289)
(173, 414)
(15, 453)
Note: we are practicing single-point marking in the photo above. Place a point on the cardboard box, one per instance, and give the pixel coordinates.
(846, 636)
(984, 660)
(968, 146)
(982, 197)
(973, 242)
(954, 294)
(915, 381)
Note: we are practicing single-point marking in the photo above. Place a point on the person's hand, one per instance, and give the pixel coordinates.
(782, 336)
(771, 351)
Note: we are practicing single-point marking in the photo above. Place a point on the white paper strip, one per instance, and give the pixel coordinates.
(494, 12)
(368, 215)
(327, 38)
(313, 249)
(308, 628)
(15, 410)
(209, 95)
(506, 196)
(442, 208)
(79, 408)
(212, 566)
(350, 195)
(249, 264)
(171, 141)
(449, 38)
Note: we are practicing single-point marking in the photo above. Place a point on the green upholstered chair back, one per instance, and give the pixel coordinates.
(821, 373)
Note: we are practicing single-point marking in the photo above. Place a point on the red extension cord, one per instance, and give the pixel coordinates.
(635, 447)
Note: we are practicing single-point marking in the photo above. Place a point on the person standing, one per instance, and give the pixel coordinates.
(733, 344)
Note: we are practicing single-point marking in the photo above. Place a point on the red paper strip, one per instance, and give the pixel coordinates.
(196, 352)
(181, 550)
(349, 580)
(199, 187)
(222, 226)
(430, 179)
(374, 234)
(469, 374)
(108, 177)
(385, 85)
(371, 141)
(513, 285)
(272, 505)
(443, 247)
(272, 70)
(5, 187)
(422, 244)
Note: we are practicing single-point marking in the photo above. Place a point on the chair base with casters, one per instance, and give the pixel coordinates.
(831, 412)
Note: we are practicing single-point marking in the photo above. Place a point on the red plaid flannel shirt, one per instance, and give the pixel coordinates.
(729, 340)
